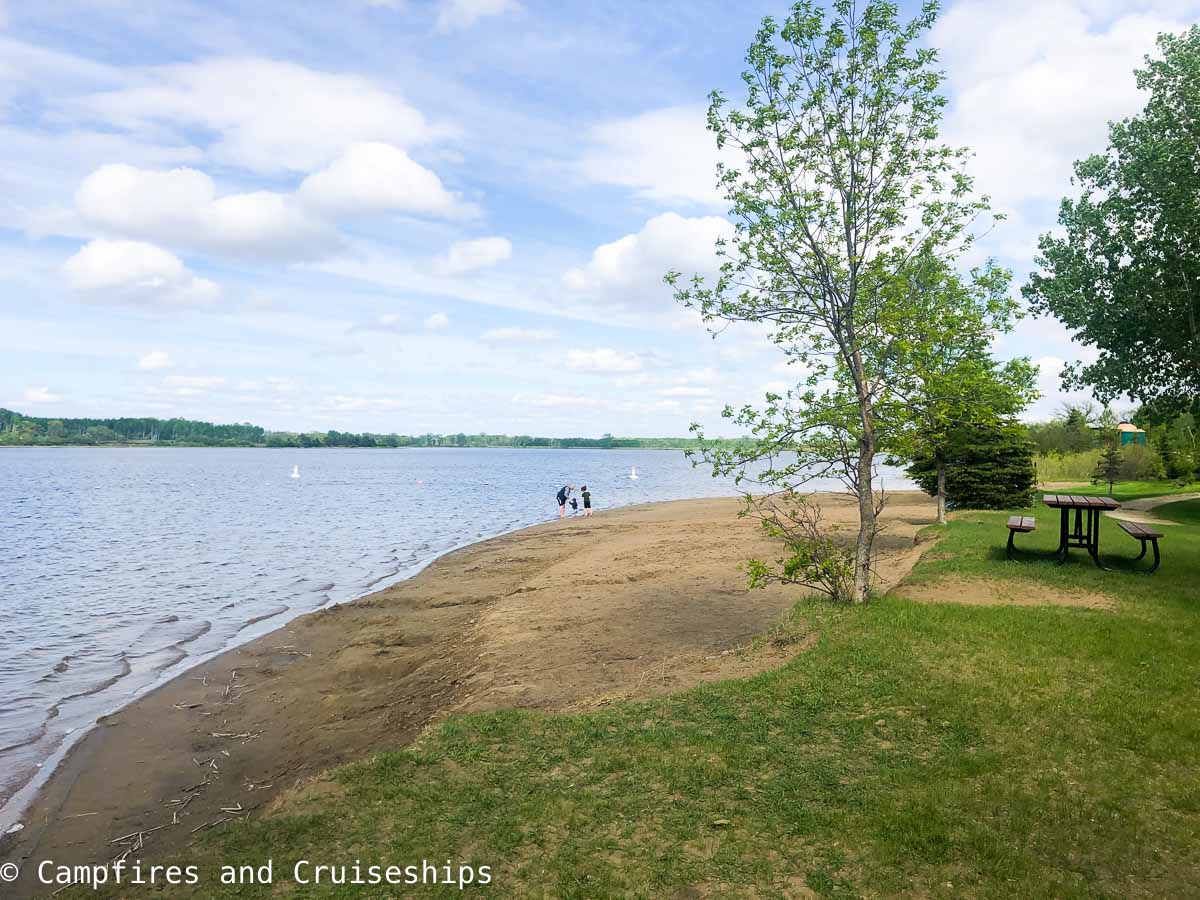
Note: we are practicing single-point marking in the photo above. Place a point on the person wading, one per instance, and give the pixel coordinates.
(563, 493)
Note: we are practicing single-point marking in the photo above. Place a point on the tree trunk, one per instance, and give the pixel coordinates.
(941, 487)
(867, 525)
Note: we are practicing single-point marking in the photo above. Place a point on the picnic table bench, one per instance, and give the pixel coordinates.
(1022, 524)
(1143, 533)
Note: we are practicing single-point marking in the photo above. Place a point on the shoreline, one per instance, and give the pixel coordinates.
(243, 727)
(12, 812)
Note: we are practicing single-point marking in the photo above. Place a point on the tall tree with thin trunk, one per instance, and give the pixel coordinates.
(953, 380)
(1123, 274)
(841, 183)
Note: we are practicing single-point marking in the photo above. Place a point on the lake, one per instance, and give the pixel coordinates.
(120, 568)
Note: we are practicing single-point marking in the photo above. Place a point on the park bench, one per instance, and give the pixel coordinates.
(1022, 524)
(1142, 533)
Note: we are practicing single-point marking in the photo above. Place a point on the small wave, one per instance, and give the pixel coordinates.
(53, 711)
(104, 685)
(263, 617)
(199, 631)
(384, 577)
(177, 653)
(165, 620)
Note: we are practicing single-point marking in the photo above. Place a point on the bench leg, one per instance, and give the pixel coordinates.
(1142, 555)
(1011, 535)
(1156, 559)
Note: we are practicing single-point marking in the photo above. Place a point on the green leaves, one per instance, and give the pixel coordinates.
(849, 212)
(1125, 276)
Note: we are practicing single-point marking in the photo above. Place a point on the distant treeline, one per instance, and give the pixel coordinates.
(21, 430)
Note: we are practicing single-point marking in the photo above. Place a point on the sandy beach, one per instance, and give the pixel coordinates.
(565, 615)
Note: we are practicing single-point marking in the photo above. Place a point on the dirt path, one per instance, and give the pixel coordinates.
(564, 615)
(1140, 510)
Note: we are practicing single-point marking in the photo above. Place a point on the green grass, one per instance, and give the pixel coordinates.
(917, 750)
(1186, 512)
(1132, 490)
(1069, 467)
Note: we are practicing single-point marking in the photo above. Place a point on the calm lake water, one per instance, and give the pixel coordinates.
(120, 568)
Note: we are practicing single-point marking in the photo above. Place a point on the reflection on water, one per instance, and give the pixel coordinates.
(121, 567)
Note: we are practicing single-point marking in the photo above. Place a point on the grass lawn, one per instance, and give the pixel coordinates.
(1186, 512)
(919, 749)
(1129, 490)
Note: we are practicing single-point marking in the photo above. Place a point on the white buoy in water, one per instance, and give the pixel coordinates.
(633, 472)
(295, 471)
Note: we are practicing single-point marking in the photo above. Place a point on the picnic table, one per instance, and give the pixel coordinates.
(1086, 533)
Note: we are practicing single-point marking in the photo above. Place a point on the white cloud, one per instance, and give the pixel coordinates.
(455, 14)
(194, 381)
(437, 322)
(684, 390)
(181, 207)
(269, 116)
(1035, 84)
(550, 400)
(373, 178)
(281, 385)
(665, 155)
(40, 395)
(518, 336)
(629, 272)
(154, 360)
(603, 361)
(468, 256)
(135, 272)
(192, 385)
(707, 375)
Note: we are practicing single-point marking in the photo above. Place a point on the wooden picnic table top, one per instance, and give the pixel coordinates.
(1079, 501)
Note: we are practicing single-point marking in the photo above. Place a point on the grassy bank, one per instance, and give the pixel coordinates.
(936, 750)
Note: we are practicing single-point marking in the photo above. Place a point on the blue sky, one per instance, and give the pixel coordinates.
(445, 215)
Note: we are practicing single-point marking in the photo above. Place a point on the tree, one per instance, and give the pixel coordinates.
(957, 382)
(1078, 424)
(1108, 467)
(986, 467)
(1125, 276)
(840, 184)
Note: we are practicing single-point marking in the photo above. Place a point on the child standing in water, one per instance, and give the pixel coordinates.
(587, 501)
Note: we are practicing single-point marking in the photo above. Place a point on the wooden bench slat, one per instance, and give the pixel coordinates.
(1022, 523)
(1138, 530)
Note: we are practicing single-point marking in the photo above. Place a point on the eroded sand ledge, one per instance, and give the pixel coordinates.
(564, 615)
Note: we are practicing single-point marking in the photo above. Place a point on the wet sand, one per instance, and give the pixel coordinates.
(565, 615)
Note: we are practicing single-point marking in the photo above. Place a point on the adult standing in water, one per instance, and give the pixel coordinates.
(563, 493)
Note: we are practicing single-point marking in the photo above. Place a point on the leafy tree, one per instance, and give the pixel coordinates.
(1125, 277)
(842, 182)
(986, 467)
(1077, 425)
(957, 382)
(1108, 468)
(1166, 453)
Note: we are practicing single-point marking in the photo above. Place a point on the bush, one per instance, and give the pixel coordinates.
(1140, 463)
(1069, 467)
(987, 467)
